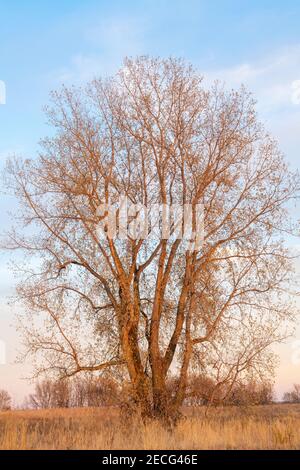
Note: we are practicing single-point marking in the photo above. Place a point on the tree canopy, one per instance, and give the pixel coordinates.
(142, 308)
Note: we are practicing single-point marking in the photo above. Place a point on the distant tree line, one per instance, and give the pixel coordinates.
(92, 392)
(79, 392)
(292, 396)
(206, 391)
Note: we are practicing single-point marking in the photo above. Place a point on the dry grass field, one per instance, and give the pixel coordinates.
(261, 427)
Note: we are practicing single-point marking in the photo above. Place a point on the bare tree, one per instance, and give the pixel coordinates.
(293, 396)
(79, 392)
(244, 391)
(142, 307)
(94, 392)
(61, 394)
(101, 392)
(251, 393)
(5, 400)
(199, 390)
(42, 396)
(51, 394)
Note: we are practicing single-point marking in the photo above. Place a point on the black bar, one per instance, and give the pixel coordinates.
(138, 458)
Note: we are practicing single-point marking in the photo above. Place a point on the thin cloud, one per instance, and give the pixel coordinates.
(112, 38)
(271, 79)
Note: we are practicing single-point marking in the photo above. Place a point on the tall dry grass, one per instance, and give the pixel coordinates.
(269, 427)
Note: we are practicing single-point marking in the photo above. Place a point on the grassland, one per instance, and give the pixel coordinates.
(261, 427)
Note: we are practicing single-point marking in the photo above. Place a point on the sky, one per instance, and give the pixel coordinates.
(45, 44)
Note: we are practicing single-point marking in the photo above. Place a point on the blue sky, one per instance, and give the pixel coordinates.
(44, 44)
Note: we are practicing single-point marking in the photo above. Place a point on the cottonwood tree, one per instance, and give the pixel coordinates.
(144, 307)
(5, 400)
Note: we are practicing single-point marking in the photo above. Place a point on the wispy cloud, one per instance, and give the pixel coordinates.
(112, 39)
(273, 79)
(274, 82)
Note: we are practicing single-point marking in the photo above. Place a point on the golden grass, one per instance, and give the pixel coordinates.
(261, 427)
